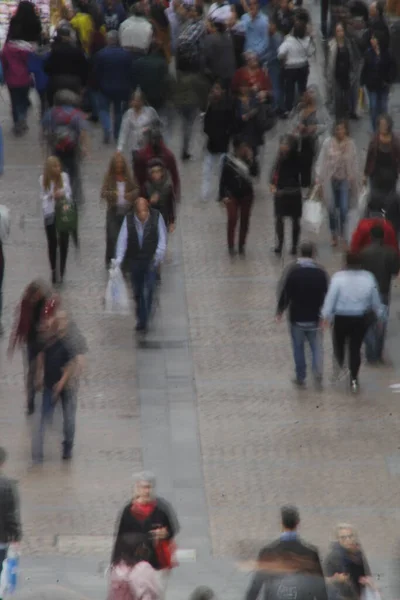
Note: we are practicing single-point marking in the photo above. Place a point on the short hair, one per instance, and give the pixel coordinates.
(352, 259)
(112, 37)
(339, 122)
(238, 141)
(144, 476)
(377, 232)
(307, 249)
(290, 517)
(202, 592)
(66, 97)
(3, 455)
(340, 526)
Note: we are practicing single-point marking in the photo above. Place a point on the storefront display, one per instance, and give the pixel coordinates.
(8, 8)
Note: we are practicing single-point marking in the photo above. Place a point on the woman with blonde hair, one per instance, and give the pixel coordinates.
(119, 191)
(55, 193)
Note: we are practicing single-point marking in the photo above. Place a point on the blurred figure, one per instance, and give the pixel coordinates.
(346, 566)
(246, 123)
(150, 74)
(283, 16)
(340, 72)
(377, 75)
(218, 125)
(113, 14)
(10, 519)
(336, 173)
(219, 54)
(156, 148)
(83, 24)
(285, 185)
(25, 23)
(136, 32)
(303, 290)
(159, 192)
(220, 11)
(383, 205)
(65, 128)
(137, 120)
(308, 128)
(274, 68)
(377, 24)
(55, 188)
(384, 263)
(25, 333)
(142, 241)
(189, 92)
(253, 77)
(362, 234)
(382, 164)
(66, 66)
(119, 191)
(351, 306)
(294, 52)
(132, 577)
(236, 192)
(153, 518)
(110, 68)
(190, 43)
(255, 26)
(14, 59)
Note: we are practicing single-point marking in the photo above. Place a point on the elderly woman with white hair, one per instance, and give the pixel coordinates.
(346, 567)
(152, 517)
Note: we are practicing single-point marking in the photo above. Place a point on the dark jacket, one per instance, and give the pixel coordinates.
(111, 67)
(162, 516)
(372, 155)
(379, 71)
(383, 262)
(218, 123)
(290, 586)
(340, 561)
(285, 176)
(235, 180)
(144, 253)
(150, 73)
(113, 17)
(296, 547)
(66, 60)
(385, 204)
(219, 54)
(303, 291)
(10, 523)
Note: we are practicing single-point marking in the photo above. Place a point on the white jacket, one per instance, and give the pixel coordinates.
(295, 51)
(47, 196)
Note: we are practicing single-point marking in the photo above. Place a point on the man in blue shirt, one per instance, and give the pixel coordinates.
(256, 28)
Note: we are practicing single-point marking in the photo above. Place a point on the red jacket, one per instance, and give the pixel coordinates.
(362, 235)
(145, 155)
(258, 79)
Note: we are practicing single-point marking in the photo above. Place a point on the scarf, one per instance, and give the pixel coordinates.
(142, 511)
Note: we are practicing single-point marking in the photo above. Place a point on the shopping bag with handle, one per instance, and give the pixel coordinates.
(313, 212)
(363, 201)
(116, 300)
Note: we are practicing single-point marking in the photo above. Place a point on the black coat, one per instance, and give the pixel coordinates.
(235, 182)
(68, 61)
(378, 72)
(162, 516)
(286, 176)
(218, 124)
(339, 561)
(297, 547)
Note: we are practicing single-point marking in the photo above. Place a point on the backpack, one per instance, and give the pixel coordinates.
(4, 223)
(187, 52)
(65, 136)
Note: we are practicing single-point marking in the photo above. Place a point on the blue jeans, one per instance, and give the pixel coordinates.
(19, 104)
(311, 333)
(375, 337)
(275, 73)
(68, 404)
(339, 207)
(105, 104)
(378, 104)
(143, 284)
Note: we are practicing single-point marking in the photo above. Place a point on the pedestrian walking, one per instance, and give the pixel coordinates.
(218, 125)
(56, 196)
(56, 367)
(25, 334)
(119, 191)
(149, 515)
(219, 53)
(236, 192)
(382, 164)
(346, 566)
(285, 185)
(341, 71)
(362, 235)
(10, 520)
(132, 577)
(336, 172)
(303, 291)
(143, 241)
(351, 305)
(160, 193)
(14, 59)
(384, 263)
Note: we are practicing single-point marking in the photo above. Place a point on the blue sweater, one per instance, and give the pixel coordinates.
(112, 71)
(36, 67)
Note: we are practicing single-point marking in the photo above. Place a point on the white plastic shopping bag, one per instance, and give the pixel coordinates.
(117, 300)
(363, 201)
(313, 212)
(370, 593)
(9, 574)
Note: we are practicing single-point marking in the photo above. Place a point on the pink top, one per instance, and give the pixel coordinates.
(140, 582)
(14, 59)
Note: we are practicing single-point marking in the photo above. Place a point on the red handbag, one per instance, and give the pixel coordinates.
(165, 550)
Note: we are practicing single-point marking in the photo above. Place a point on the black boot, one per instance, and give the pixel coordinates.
(279, 231)
(67, 451)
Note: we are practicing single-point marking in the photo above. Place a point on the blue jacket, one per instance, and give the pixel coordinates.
(36, 68)
(111, 72)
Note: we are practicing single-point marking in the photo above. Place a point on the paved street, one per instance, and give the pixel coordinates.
(206, 402)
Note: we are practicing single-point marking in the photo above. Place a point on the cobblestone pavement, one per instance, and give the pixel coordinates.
(262, 442)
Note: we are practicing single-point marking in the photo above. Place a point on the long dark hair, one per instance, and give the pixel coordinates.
(131, 548)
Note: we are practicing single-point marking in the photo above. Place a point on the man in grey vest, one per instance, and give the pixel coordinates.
(10, 523)
(143, 240)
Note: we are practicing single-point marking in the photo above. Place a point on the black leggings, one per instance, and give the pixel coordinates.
(280, 231)
(351, 331)
(56, 239)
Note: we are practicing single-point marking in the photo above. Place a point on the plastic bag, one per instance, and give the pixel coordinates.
(9, 574)
(369, 593)
(313, 213)
(4, 223)
(363, 201)
(116, 300)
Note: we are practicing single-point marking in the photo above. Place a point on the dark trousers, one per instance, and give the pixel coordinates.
(188, 115)
(236, 209)
(349, 331)
(307, 161)
(342, 101)
(70, 164)
(324, 17)
(3, 554)
(57, 240)
(114, 221)
(143, 283)
(19, 98)
(295, 78)
(280, 231)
